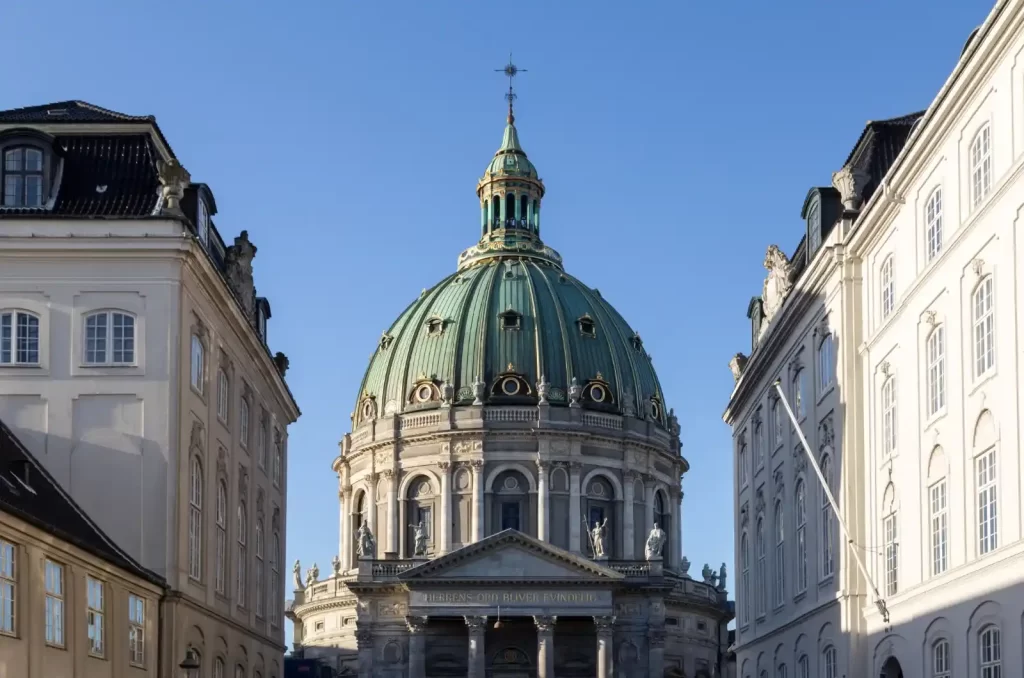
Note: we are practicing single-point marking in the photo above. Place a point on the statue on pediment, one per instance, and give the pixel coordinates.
(365, 546)
(721, 578)
(778, 283)
(707, 573)
(336, 564)
(655, 542)
(297, 575)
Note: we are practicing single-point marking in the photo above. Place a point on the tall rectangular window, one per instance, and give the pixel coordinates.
(8, 586)
(801, 536)
(988, 509)
(54, 584)
(223, 396)
(984, 329)
(827, 529)
(743, 462)
(800, 393)
(198, 363)
(981, 166)
(936, 370)
(94, 615)
(243, 424)
(933, 219)
(940, 527)
(195, 521)
(780, 555)
(136, 631)
(889, 530)
(261, 440)
(777, 422)
(889, 417)
(221, 575)
(825, 363)
(759, 451)
(888, 285)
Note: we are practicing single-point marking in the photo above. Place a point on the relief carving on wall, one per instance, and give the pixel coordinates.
(826, 434)
(759, 502)
(777, 284)
(468, 446)
(390, 609)
(799, 460)
(243, 483)
(222, 462)
(196, 440)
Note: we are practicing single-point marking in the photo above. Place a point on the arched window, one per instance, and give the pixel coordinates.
(239, 671)
(990, 653)
(981, 166)
(218, 668)
(780, 555)
(275, 578)
(830, 660)
(259, 568)
(744, 605)
(827, 529)
(801, 536)
(223, 396)
(221, 575)
(988, 508)
(800, 393)
(889, 417)
(23, 177)
(243, 423)
(780, 672)
(984, 329)
(941, 659)
(933, 222)
(887, 283)
(195, 521)
(762, 567)
(664, 519)
(420, 508)
(776, 421)
(763, 674)
(240, 582)
(109, 338)
(803, 667)
(940, 526)
(826, 363)
(744, 463)
(19, 338)
(935, 352)
(600, 504)
(198, 363)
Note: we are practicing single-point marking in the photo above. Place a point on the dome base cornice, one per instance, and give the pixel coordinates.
(508, 243)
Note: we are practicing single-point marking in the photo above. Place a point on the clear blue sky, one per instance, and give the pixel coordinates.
(676, 140)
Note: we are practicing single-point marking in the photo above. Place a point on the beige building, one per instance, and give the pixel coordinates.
(71, 602)
(134, 365)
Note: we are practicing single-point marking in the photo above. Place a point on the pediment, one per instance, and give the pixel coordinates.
(510, 555)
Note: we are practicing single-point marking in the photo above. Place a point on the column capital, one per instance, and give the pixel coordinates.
(416, 624)
(373, 477)
(477, 465)
(656, 636)
(475, 623)
(575, 466)
(630, 475)
(388, 473)
(364, 639)
(604, 623)
(543, 464)
(444, 466)
(545, 624)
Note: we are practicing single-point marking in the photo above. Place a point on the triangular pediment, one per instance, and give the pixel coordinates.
(510, 555)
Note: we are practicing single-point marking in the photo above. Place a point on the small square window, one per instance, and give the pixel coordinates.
(587, 326)
(510, 320)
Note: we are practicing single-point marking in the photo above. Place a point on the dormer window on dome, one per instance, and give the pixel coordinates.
(638, 343)
(424, 391)
(435, 326)
(598, 391)
(385, 341)
(510, 320)
(511, 384)
(587, 326)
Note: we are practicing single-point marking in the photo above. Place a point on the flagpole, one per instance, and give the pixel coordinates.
(879, 601)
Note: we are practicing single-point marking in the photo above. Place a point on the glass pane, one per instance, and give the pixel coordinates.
(510, 516)
(12, 160)
(33, 190)
(33, 160)
(12, 190)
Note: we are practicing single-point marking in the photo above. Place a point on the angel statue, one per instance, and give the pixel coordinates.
(655, 542)
(365, 547)
(297, 575)
(721, 578)
(419, 539)
(597, 533)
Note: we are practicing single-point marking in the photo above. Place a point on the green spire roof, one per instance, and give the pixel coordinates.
(511, 160)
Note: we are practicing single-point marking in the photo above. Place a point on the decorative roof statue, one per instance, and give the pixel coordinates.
(655, 542)
(597, 533)
(684, 567)
(737, 365)
(778, 283)
(365, 546)
(297, 575)
(336, 564)
(174, 179)
(312, 575)
(447, 394)
(628, 403)
(419, 539)
(543, 388)
(575, 391)
(706, 573)
(479, 391)
(721, 578)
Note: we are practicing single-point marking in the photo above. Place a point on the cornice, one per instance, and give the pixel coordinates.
(106, 129)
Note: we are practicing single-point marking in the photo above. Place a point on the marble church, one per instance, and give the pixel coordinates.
(510, 490)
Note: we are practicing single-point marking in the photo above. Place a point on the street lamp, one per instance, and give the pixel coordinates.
(190, 666)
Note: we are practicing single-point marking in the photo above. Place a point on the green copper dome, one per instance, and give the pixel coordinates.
(510, 326)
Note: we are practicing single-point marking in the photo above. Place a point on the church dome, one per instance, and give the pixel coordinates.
(510, 326)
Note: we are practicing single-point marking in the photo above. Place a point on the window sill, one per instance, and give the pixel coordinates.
(826, 392)
(800, 596)
(93, 655)
(761, 617)
(198, 392)
(826, 581)
(55, 646)
(935, 418)
(982, 380)
(36, 370)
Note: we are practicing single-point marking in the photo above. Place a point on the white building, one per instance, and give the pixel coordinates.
(925, 321)
(134, 365)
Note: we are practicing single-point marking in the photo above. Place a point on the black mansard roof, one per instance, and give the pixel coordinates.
(68, 111)
(30, 493)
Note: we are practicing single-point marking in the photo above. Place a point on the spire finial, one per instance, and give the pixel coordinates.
(510, 71)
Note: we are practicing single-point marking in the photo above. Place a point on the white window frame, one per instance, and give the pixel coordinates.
(777, 430)
(986, 473)
(830, 660)
(826, 363)
(218, 668)
(891, 558)
(259, 568)
(889, 417)
(800, 393)
(935, 370)
(221, 574)
(244, 411)
(241, 585)
(223, 396)
(54, 586)
(983, 311)
(887, 280)
(8, 588)
(800, 500)
(762, 568)
(198, 364)
(744, 608)
(203, 221)
(938, 503)
(278, 462)
(827, 523)
(759, 446)
(18, 348)
(980, 155)
(261, 440)
(814, 226)
(803, 666)
(743, 462)
(941, 659)
(136, 630)
(103, 347)
(990, 652)
(933, 224)
(275, 578)
(195, 520)
(94, 606)
(780, 554)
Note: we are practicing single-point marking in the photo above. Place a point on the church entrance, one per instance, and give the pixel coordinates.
(511, 662)
(892, 668)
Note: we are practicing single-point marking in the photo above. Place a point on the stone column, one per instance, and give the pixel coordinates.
(649, 505)
(542, 500)
(417, 646)
(545, 646)
(628, 537)
(364, 644)
(477, 659)
(676, 556)
(345, 530)
(574, 506)
(478, 498)
(656, 643)
(605, 658)
(445, 533)
(392, 526)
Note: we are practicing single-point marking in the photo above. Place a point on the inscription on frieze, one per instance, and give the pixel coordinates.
(490, 598)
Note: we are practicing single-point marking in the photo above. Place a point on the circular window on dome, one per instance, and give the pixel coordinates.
(598, 393)
(510, 386)
(368, 409)
(655, 409)
(424, 393)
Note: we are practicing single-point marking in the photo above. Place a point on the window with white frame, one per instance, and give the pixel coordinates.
(275, 578)
(830, 659)
(8, 586)
(223, 396)
(261, 440)
(110, 338)
(221, 575)
(94, 615)
(54, 583)
(243, 424)
(801, 536)
(242, 555)
(198, 363)
(988, 509)
(933, 223)
(136, 630)
(981, 166)
(827, 522)
(762, 567)
(218, 668)
(744, 606)
(990, 652)
(777, 422)
(935, 352)
(890, 536)
(278, 461)
(940, 527)
(803, 667)
(889, 417)
(259, 568)
(814, 226)
(23, 177)
(19, 338)
(202, 221)
(826, 363)
(800, 393)
(887, 282)
(780, 555)
(759, 452)
(195, 521)
(743, 462)
(984, 329)
(941, 660)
